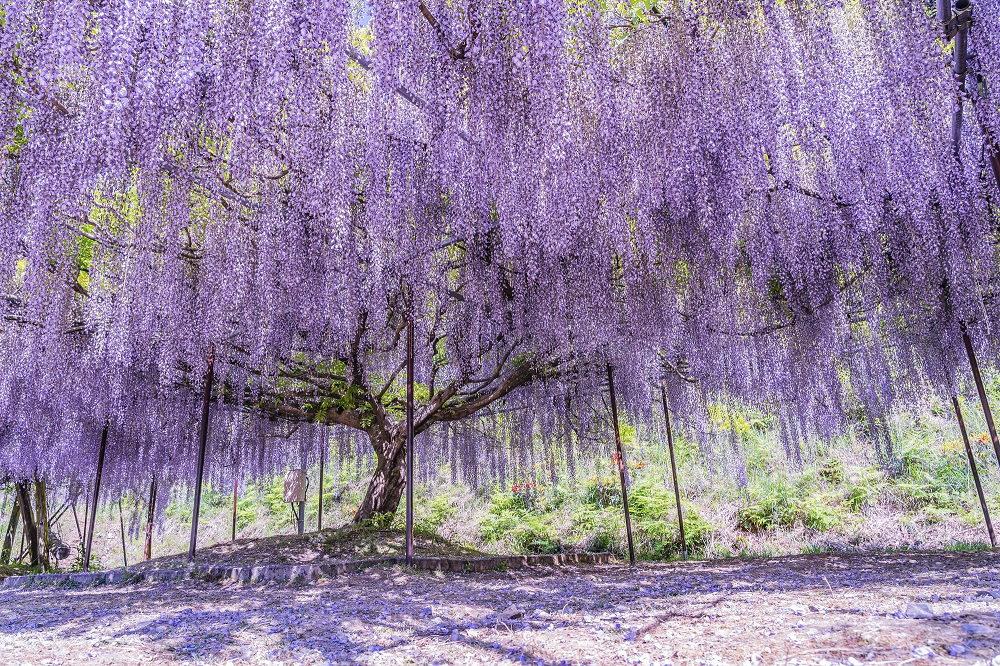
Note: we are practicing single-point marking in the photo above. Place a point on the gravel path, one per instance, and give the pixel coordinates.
(816, 609)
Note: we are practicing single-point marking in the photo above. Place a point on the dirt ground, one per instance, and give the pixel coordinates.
(816, 609)
(353, 542)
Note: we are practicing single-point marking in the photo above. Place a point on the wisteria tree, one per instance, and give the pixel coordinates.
(744, 199)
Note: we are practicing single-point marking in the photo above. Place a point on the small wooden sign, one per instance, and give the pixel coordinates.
(295, 485)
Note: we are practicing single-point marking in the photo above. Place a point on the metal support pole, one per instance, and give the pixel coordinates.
(86, 511)
(202, 443)
(409, 444)
(319, 516)
(673, 471)
(76, 520)
(981, 388)
(300, 518)
(121, 518)
(959, 60)
(236, 484)
(943, 10)
(147, 550)
(620, 459)
(93, 501)
(975, 472)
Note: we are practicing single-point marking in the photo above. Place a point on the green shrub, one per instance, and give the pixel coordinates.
(862, 495)
(246, 511)
(439, 509)
(832, 471)
(776, 503)
(600, 531)
(769, 505)
(651, 502)
(934, 514)
(603, 491)
(817, 515)
(77, 563)
(968, 546)
(522, 532)
(661, 539)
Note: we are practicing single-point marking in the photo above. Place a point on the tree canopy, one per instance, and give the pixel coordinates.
(752, 201)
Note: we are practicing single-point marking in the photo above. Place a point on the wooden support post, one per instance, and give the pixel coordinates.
(673, 471)
(409, 444)
(147, 549)
(975, 472)
(202, 444)
(620, 459)
(97, 493)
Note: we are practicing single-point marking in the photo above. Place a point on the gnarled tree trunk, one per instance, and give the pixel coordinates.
(389, 480)
(8, 538)
(28, 522)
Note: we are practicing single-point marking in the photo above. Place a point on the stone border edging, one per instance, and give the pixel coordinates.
(303, 572)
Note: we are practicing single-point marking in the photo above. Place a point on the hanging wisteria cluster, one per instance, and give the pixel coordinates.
(754, 202)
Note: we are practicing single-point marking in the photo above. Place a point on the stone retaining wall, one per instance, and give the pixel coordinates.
(303, 572)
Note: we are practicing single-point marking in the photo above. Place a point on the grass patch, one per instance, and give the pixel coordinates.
(967, 546)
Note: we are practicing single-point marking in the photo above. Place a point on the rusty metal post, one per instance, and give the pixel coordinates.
(76, 520)
(147, 550)
(620, 458)
(93, 501)
(236, 486)
(409, 444)
(673, 471)
(319, 516)
(202, 443)
(975, 472)
(86, 510)
(121, 518)
(981, 388)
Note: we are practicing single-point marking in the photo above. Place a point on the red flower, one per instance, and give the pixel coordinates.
(515, 489)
